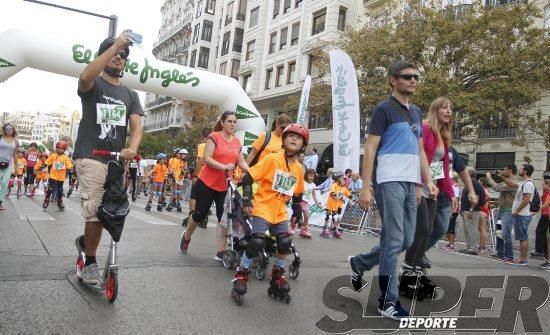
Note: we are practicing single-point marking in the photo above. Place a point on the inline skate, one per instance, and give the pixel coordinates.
(278, 285)
(304, 233)
(239, 285)
(325, 233)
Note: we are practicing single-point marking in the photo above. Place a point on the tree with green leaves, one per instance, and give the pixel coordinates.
(492, 62)
(198, 116)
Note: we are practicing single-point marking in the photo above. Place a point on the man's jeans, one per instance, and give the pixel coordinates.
(442, 217)
(397, 206)
(504, 244)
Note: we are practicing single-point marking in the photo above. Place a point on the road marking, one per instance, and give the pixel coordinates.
(28, 209)
(151, 219)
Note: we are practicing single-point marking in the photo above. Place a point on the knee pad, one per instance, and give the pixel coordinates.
(257, 244)
(284, 244)
(198, 216)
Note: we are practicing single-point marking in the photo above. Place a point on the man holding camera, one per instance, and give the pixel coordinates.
(507, 188)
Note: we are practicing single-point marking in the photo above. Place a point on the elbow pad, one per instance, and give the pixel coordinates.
(247, 180)
(247, 190)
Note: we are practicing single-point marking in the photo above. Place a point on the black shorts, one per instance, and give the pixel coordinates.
(205, 197)
(193, 194)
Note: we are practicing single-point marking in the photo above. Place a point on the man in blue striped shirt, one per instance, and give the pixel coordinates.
(395, 141)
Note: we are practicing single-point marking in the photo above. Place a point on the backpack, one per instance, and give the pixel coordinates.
(534, 204)
(259, 153)
(114, 204)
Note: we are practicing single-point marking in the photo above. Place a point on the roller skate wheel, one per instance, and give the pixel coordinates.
(260, 273)
(228, 259)
(293, 271)
(237, 297)
(236, 259)
(286, 299)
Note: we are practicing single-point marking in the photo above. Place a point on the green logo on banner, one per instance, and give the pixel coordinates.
(243, 113)
(5, 63)
(249, 138)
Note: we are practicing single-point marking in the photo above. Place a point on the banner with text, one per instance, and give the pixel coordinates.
(303, 114)
(345, 112)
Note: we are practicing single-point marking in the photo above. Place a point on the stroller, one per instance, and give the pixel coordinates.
(238, 238)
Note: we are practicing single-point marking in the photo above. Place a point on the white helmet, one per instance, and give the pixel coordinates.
(183, 151)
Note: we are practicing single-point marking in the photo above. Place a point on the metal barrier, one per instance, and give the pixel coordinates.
(356, 220)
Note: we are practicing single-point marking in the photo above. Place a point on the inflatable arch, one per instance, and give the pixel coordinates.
(22, 48)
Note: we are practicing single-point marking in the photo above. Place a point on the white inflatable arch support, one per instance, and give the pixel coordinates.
(24, 48)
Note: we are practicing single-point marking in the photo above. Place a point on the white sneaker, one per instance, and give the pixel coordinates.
(90, 274)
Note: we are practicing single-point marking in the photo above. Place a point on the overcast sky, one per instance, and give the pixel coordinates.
(38, 90)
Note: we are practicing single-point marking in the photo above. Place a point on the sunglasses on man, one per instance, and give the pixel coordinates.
(408, 76)
(121, 54)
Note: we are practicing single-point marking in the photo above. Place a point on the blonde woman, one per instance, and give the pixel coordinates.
(436, 139)
(8, 157)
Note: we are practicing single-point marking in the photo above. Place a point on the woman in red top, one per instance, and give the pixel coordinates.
(222, 153)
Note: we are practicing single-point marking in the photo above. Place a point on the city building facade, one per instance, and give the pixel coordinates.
(44, 127)
(267, 46)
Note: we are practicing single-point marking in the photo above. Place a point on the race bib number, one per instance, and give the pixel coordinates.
(114, 115)
(284, 182)
(32, 158)
(59, 165)
(20, 165)
(133, 165)
(436, 170)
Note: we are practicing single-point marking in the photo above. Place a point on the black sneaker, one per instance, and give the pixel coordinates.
(393, 311)
(356, 276)
(468, 252)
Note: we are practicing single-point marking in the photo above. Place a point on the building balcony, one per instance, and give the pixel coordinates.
(180, 50)
(172, 31)
(487, 132)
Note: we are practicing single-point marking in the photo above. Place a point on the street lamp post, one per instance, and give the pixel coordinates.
(113, 19)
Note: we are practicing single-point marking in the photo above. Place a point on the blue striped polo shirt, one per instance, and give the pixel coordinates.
(398, 155)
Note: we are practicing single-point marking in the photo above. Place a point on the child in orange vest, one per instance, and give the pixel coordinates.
(59, 165)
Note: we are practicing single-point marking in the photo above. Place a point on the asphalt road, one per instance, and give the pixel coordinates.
(165, 292)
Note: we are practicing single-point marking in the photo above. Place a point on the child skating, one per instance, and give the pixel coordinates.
(160, 172)
(60, 164)
(41, 171)
(335, 202)
(310, 195)
(280, 178)
(20, 167)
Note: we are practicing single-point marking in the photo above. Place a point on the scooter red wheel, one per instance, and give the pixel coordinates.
(111, 290)
(79, 267)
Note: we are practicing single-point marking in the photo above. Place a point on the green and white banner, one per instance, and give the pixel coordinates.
(303, 113)
(345, 112)
(143, 72)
